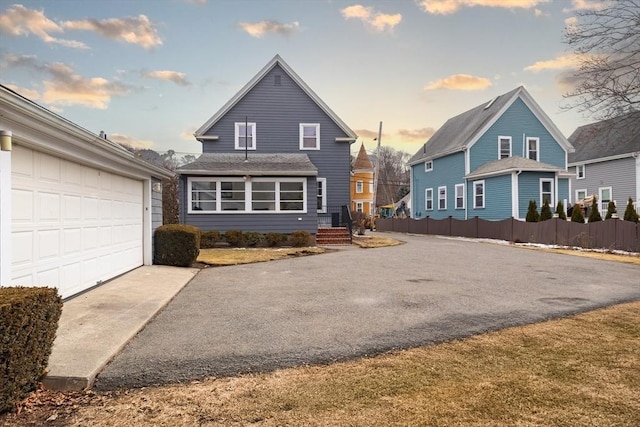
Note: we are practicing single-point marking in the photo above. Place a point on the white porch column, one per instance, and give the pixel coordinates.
(5, 208)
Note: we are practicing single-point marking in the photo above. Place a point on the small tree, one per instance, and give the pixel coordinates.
(577, 215)
(545, 212)
(532, 212)
(630, 213)
(594, 213)
(560, 211)
(611, 209)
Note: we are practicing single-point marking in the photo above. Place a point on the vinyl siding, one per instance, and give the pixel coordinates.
(447, 171)
(529, 189)
(517, 121)
(618, 174)
(497, 198)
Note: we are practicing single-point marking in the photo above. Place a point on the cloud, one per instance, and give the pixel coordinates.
(376, 20)
(172, 76)
(20, 21)
(136, 30)
(445, 7)
(27, 93)
(586, 5)
(367, 134)
(196, 1)
(188, 134)
(558, 63)
(460, 82)
(65, 87)
(259, 29)
(416, 134)
(130, 141)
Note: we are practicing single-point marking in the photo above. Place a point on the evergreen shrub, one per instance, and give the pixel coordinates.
(208, 239)
(252, 238)
(560, 210)
(611, 209)
(275, 239)
(234, 237)
(545, 212)
(594, 213)
(532, 212)
(630, 213)
(300, 238)
(176, 244)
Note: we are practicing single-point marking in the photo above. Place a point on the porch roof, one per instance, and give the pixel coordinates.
(254, 164)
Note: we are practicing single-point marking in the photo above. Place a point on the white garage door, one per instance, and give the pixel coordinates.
(73, 226)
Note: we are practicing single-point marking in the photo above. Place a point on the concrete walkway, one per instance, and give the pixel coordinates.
(95, 326)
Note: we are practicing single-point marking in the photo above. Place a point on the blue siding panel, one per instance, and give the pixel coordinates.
(517, 122)
(529, 189)
(497, 198)
(447, 171)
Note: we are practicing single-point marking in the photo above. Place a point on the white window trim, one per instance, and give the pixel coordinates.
(529, 138)
(552, 204)
(603, 208)
(578, 192)
(247, 196)
(428, 166)
(302, 126)
(584, 171)
(427, 198)
(500, 138)
(456, 194)
(475, 194)
(237, 136)
(359, 207)
(322, 181)
(444, 187)
(359, 187)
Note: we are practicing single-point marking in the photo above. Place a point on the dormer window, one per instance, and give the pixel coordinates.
(309, 136)
(504, 147)
(245, 136)
(533, 149)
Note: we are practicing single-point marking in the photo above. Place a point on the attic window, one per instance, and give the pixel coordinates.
(277, 80)
(491, 102)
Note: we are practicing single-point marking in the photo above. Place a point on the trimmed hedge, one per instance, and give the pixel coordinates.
(300, 238)
(208, 239)
(253, 238)
(234, 237)
(28, 323)
(176, 244)
(275, 239)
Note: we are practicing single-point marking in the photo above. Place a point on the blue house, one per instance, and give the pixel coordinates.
(275, 158)
(490, 162)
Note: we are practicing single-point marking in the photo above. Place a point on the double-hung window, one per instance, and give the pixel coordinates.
(322, 195)
(428, 199)
(359, 187)
(442, 198)
(478, 194)
(533, 149)
(604, 199)
(245, 136)
(580, 172)
(237, 195)
(309, 136)
(581, 195)
(359, 206)
(504, 147)
(428, 166)
(459, 196)
(546, 192)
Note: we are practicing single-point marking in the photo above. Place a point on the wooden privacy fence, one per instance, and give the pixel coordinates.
(607, 234)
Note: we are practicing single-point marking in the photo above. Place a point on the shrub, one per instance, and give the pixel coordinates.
(208, 239)
(27, 330)
(234, 237)
(275, 239)
(560, 211)
(532, 212)
(176, 244)
(630, 213)
(545, 212)
(252, 238)
(611, 209)
(577, 215)
(594, 213)
(359, 220)
(300, 238)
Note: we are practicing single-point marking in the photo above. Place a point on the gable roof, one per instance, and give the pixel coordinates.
(607, 138)
(256, 164)
(362, 161)
(511, 164)
(462, 131)
(277, 60)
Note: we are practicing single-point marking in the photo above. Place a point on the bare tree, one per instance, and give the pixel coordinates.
(607, 43)
(393, 175)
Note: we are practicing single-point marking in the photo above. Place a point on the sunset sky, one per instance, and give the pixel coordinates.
(149, 73)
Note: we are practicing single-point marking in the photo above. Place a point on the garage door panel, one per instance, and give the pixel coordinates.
(74, 226)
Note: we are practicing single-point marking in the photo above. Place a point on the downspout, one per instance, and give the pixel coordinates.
(636, 156)
(524, 138)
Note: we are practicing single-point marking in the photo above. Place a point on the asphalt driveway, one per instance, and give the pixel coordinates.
(355, 302)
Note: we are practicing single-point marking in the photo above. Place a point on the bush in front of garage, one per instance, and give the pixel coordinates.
(29, 320)
(176, 244)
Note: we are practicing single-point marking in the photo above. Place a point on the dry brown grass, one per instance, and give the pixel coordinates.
(375, 241)
(234, 256)
(629, 259)
(583, 370)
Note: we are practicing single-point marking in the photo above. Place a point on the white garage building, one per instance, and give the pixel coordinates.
(75, 208)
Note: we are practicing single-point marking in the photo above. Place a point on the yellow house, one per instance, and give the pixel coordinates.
(362, 183)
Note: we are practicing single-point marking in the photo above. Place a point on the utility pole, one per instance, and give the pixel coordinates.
(376, 173)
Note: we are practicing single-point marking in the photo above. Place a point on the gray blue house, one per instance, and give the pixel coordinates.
(490, 162)
(606, 162)
(275, 158)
